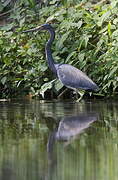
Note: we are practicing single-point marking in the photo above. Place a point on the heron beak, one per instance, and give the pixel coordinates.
(34, 29)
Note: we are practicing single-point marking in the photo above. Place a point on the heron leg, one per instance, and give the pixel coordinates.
(81, 94)
(61, 94)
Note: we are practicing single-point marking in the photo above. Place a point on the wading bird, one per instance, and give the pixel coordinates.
(70, 76)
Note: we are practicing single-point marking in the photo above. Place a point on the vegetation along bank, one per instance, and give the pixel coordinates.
(86, 37)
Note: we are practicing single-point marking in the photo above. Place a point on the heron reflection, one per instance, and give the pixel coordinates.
(72, 126)
(68, 129)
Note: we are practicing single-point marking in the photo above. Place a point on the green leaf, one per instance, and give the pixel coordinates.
(5, 3)
(81, 57)
(78, 24)
(69, 56)
(104, 17)
(109, 29)
(32, 3)
(22, 21)
(113, 71)
(56, 15)
(58, 85)
(1, 41)
(115, 34)
(115, 21)
(43, 68)
(86, 39)
(63, 38)
(1, 6)
(7, 60)
(113, 3)
(45, 87)
(3, 80)
(7, 27)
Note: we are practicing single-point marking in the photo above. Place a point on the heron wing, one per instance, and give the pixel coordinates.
(74, 78)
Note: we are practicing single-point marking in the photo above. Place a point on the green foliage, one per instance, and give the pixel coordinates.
(86, 37)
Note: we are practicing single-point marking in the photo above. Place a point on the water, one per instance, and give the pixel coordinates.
(58, 140)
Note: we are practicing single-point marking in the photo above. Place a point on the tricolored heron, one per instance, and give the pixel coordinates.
(69, 75)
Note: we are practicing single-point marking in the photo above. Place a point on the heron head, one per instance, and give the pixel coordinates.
(45, 26)
(38, 28)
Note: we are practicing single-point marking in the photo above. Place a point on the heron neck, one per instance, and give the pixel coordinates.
(49, 57)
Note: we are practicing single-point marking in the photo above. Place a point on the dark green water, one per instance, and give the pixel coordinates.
(58, 140)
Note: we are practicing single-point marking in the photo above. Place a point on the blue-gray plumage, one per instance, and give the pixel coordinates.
(74, 78)
(70, 76)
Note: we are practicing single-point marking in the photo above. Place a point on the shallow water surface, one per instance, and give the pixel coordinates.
(58, 140)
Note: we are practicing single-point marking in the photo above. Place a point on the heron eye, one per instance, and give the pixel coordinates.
(62, 75)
